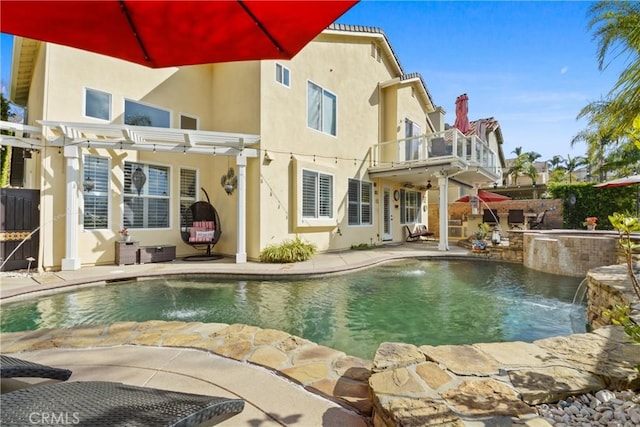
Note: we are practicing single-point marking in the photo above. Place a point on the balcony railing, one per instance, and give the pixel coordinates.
(448, 145)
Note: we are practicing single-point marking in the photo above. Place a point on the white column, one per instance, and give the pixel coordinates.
(241, 251)
(72, 160)
(443, 243)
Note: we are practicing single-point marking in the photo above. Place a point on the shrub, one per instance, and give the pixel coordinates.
(288, 251)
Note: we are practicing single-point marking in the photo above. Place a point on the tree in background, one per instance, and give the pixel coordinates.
(611, 137)
(5, 153)
(571, 164)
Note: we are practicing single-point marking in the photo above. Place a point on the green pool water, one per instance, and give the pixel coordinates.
(411, 301)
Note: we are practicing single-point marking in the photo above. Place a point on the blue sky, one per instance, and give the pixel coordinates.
(530, 64)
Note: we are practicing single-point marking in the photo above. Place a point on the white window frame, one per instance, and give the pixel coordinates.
(95, 192)
(84, 104)
(359, 206)
(283, 75)
(145, 104)
(407, 207)
(131, 193)
(321, 110)
(317, 220)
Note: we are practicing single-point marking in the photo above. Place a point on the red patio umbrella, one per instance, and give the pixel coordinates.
(485, 196)
(164, 33)
(462, 109)
(627, 180)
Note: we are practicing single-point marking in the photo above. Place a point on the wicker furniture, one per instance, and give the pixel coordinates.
(126, 252)
(113, 404)
(160, 253)
(11, 367)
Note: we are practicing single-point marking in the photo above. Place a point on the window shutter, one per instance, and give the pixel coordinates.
(403, 204)
(326, 196)
(354, 202)
(366, 196)
(96, 199)
(309, 186)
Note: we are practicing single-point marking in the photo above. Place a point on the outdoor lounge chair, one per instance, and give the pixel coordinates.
(11, 367)
(111, 404)
(538, 223)
(421, 231)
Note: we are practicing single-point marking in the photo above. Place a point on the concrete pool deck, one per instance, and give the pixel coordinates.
(287, 380)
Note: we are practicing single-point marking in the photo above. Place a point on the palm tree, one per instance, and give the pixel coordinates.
(572, 163)
(616, 26)
(517, 167)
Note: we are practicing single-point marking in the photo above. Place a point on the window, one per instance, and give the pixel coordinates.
(145, 115)
(188, 185)
(282, 75)
(360, 202)
(97, 104)
(410, 202)
(317, 195)
(187, 122)
(95, 186)
(411, 145)
(147, 207)
(321, 109)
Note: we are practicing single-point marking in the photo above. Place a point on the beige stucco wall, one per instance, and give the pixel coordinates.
(185, 90)
(232, 97)
(344, 66)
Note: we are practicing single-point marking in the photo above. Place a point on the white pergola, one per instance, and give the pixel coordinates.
(71, 136)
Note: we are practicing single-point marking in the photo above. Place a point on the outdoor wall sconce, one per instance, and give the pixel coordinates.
(268, 158)
(138, 178)
(88, 184)
(229, 181)
(495, 185)
(429, 185)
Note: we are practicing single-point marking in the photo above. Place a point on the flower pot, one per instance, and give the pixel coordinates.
(591, 227)
(126, 238)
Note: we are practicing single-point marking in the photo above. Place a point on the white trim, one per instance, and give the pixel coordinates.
(144, 138)
(19, 139)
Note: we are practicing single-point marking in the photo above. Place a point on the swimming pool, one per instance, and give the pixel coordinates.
(410, 301)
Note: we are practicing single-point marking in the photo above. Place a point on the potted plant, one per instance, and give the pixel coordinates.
(125, 234)
(479, 243)
(590, 222)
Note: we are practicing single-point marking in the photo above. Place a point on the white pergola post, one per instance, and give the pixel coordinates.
(241, 251)
(443, 242)
(72, 160)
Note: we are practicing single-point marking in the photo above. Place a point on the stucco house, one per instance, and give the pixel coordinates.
(339, 146)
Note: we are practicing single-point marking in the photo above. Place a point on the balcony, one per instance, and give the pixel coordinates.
(414, 160)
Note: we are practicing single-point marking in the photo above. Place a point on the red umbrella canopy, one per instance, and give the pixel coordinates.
(627, 180)
(462, 109)
(161, 33)
(485, 196)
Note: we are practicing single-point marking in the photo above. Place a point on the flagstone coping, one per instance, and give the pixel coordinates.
(404, 384)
